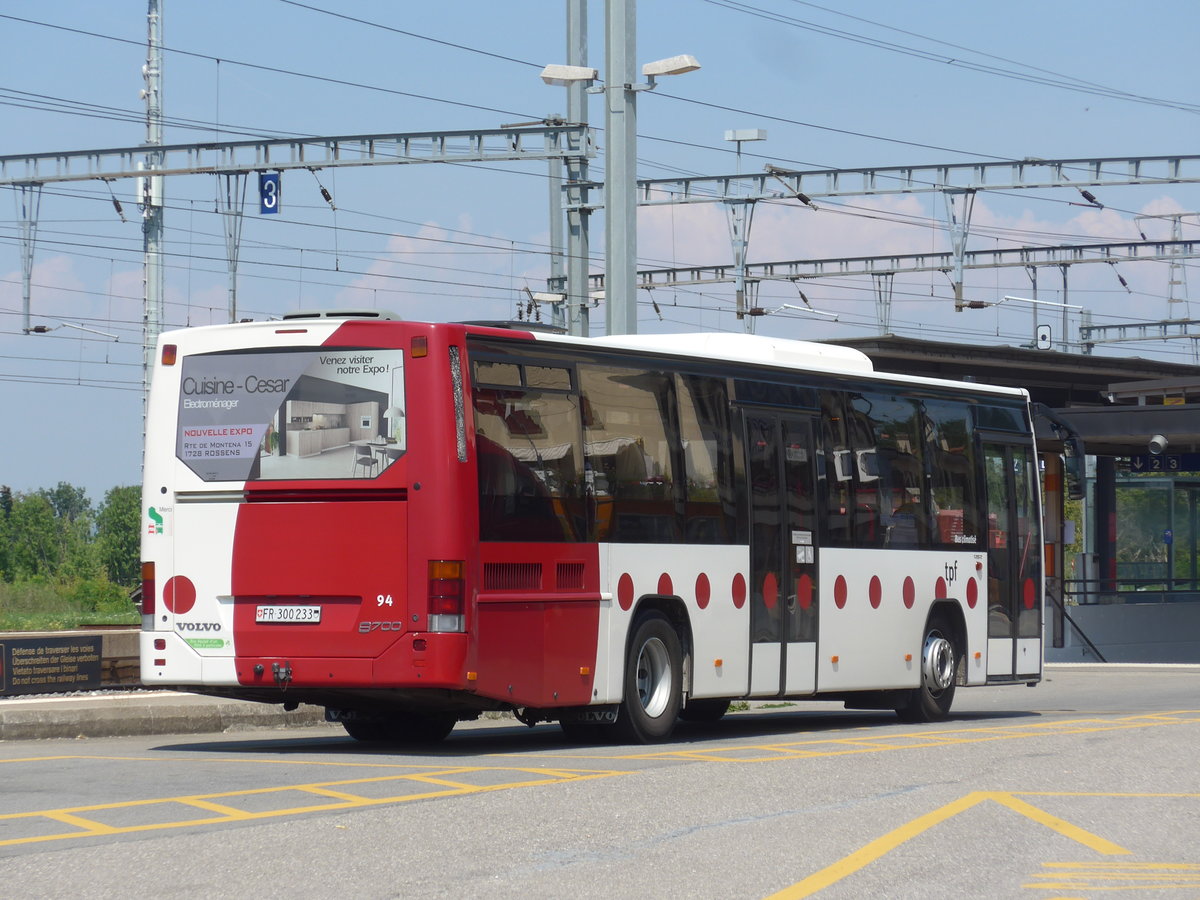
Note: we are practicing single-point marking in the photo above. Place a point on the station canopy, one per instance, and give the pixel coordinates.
(1116, 404)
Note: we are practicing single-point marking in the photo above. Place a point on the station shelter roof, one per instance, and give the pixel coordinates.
(1116, 404)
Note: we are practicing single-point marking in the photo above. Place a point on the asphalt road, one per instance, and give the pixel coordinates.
(1083, 785)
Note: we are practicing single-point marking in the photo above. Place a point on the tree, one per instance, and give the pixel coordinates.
(35, 547)
(118, 535)
(69, 502)
(6, 507)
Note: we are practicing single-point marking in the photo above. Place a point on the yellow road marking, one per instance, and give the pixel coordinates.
(333, 791)
(920, 740)
(1010, 799)
(1100, 876)
(877, 848)
(1063, 827)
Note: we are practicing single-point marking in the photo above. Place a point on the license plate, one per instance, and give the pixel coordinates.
(288, 614)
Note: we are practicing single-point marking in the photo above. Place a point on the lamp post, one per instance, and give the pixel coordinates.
(620, 154)
(620, 161)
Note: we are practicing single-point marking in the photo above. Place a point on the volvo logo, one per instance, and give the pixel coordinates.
(198, 626)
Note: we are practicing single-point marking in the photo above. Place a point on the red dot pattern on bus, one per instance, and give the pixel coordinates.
(179, 594)
(804, 591)
(625, 592)
(875, 592)
(1029, 593)
(739, 590)
(665, 588)
(770, 590)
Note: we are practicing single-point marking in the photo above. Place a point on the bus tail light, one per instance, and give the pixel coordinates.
(147, 602)
(169, 354)
(446, 595)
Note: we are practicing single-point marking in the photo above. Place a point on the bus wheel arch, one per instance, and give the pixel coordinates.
(653, 671)
(942, 658)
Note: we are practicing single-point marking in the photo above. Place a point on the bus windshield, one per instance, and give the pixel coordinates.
(302, 414)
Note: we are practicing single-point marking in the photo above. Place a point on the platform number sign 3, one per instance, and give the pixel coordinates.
(269, 191)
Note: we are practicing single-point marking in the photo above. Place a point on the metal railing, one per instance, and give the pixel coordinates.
(1095, 591)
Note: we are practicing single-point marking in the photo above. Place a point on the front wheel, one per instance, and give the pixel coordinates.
(939, 664)
(653, 682)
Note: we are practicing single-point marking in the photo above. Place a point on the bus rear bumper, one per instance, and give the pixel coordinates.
(420, 660)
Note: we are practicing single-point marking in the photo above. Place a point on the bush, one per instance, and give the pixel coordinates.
(37, 605)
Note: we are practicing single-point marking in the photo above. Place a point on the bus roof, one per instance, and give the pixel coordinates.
(750, 349)
(761, 350)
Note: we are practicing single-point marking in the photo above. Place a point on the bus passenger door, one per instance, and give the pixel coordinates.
(783, 555)
(1014, 551)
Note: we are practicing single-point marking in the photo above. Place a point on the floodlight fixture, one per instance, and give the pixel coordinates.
(675, 65)
(563, 76)
(746, 134)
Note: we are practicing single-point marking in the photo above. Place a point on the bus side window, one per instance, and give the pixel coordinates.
(899, 449)
(836, 470)
(864, 470)
(950, 445)
(628, 439)
(530, 475)
(706, 433)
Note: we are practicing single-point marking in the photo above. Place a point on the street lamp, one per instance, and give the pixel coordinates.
(620, 174)
(565, 76)
(620, 155)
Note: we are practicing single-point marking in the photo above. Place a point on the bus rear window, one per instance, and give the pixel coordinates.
(312, 414)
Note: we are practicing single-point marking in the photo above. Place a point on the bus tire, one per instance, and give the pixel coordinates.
(939, 665)
(704, 711)
(653, 682)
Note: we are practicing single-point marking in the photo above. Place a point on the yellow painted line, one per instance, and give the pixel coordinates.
(1117, 875)
(80, 822)
(223, 813)
(921, 740)
(1063, 827)
(1092, 876)
(880, 846)
(229, 812)
(444, 782)
(337, 795)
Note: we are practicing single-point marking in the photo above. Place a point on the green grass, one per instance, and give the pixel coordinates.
(38, 606)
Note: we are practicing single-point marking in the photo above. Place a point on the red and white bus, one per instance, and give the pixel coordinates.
(411, 524)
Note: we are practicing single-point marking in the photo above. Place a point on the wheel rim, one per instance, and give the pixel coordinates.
(938, 660)
(654, 677)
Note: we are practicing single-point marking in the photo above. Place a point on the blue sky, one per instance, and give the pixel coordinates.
(835, 85)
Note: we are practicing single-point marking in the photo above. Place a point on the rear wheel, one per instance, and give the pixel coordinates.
(939, 664)
(653, 680)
